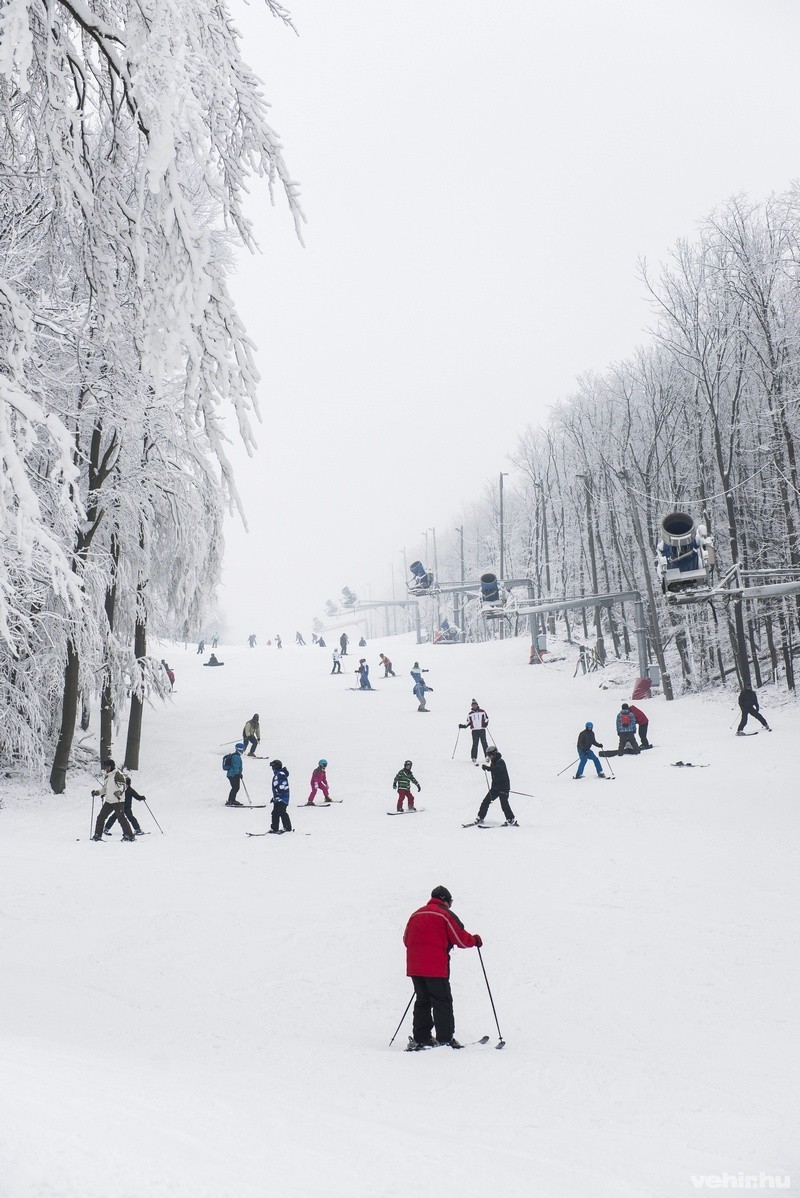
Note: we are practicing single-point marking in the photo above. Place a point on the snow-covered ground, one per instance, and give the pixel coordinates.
(206, 1015)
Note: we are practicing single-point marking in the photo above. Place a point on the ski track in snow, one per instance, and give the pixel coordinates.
(207, 1015)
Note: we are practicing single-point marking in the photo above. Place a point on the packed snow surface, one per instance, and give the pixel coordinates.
(206, 1015)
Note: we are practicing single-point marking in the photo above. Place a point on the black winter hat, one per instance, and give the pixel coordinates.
(442, 893)
(624, 706)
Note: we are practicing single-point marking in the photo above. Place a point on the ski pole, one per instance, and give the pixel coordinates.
(524, 793)
(155, 821)
(91, 821)
(610, 768)
(400, 1024)
(502, 1042)
(246, 791)
(455, 746)
(567, 767)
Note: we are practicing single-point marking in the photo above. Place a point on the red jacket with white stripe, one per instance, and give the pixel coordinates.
(430, 934)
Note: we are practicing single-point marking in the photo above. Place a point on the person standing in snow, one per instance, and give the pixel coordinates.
(748, 705)
(169, 672)
(251, 640)
(420, 690)
(319, 781)
(626, 730)
(201, 647)
(337, 661)
(363, 675)
(278, 641)
(113, 793)
(234, 771)
(403, 780)
(388, 672)
(478, 722)
(214, 642)
(586, 741)
(343, 643)
(430, 935)
(642, 724)
(130, 795)
(298, 636)
(251, 735)
(280, 797)
(499, 788)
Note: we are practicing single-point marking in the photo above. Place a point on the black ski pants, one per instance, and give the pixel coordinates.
(433, 1007)
(643, 735)
(478, 738)
(109, 809)
(252, 743)
(280, 814)
(490, 798)
(337, 667)
(629, 739)
(131, 818)
(755, 713)
(236, 782)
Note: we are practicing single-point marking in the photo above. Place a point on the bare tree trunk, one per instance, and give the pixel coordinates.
(69, 713)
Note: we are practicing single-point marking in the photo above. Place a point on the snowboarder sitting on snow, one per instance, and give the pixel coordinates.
(363, 675)
(113, 792)
(748, 703)
(234, 771)
(130, 795)
(586, 740)
(477, 721)
(626, 727)
(499, 788)
(642, 723)
(319, 781)
(402, 784)
(280, 797)
(430, 935)
(251, 735)
(212, 661)
(388, 672)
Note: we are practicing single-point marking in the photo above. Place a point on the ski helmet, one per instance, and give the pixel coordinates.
(442, 893)
(239, 747)
(322, 761)
(493, 751)
(624, 706)
(408, 763)
(276, 765)
(589, 724)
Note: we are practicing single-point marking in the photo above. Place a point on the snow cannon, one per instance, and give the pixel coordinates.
(685, 554)
(348, 598)
(330, 608)
(493, 596)
(422, 579)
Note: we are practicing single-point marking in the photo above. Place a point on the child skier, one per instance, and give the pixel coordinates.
(280, 798)
(363, 675)
(130, 795)
(402, 784)
(319, 781)
(388, 672)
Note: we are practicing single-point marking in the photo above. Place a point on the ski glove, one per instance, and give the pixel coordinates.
(478, 942)
(462, 725)
(95, 793)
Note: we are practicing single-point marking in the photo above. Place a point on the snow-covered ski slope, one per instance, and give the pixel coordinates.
(207, 1015)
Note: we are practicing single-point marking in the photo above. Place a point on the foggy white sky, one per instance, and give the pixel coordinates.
(479, 182)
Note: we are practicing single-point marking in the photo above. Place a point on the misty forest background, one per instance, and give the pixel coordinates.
(128, 135)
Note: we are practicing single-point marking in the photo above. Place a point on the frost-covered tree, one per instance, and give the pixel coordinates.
(127, 134)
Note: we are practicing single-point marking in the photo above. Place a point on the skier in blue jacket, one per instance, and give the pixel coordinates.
(626, 728)
(234, 773)
(280, 797)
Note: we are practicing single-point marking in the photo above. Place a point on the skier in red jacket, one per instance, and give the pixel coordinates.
(429, 937)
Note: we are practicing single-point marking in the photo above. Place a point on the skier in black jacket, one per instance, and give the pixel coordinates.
(586, 740)
(499, 788)
(748, 704)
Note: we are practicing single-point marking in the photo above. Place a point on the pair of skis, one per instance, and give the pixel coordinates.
(414, 1047)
